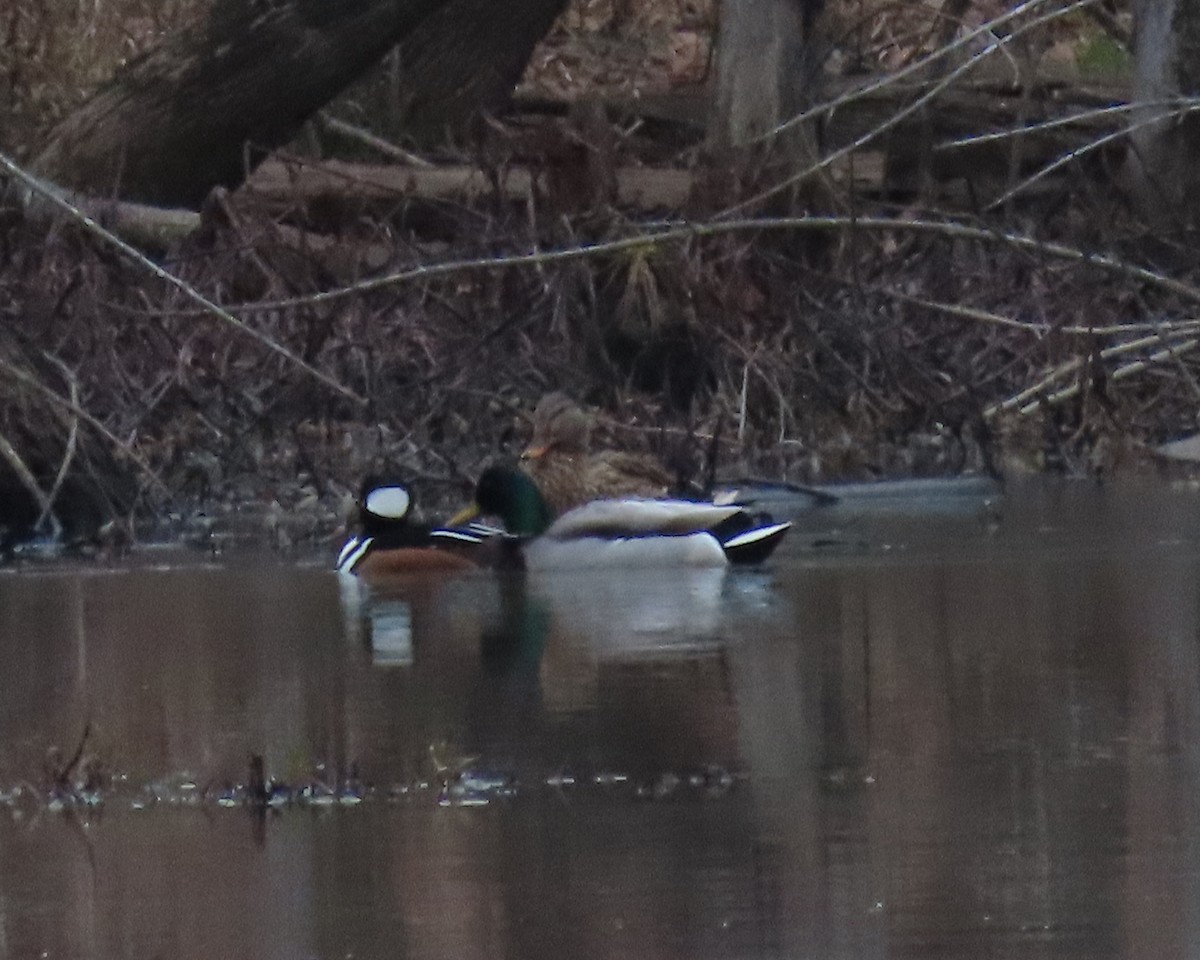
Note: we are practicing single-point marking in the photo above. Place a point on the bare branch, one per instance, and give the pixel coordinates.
(72, 434)
(10, 455)
(57, 199)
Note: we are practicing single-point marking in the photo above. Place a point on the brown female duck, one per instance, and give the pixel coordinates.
(569, 475)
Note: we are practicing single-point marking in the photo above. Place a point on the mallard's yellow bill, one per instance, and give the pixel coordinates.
(465, 515)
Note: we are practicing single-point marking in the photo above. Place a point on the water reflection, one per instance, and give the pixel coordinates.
(992, 748)
(616, 613)
(568, 676)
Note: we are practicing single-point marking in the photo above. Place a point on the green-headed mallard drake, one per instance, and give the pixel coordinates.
(626, 532)
(569, 475)
(391, 542)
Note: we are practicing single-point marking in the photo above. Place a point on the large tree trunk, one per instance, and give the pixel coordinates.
(175, 123)
(464, 59)
(1162, 168)
(766, 73)
(765, 67)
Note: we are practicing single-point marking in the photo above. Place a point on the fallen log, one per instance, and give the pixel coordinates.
(281, 184)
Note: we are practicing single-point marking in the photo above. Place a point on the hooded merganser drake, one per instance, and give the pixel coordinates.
(390, 541)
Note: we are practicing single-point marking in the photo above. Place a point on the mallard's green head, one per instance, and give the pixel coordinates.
(513, 497)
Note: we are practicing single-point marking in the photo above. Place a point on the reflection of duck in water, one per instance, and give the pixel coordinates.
(639, 613)
(390, 541)
(569, 475)
(513, 625)
(391, 545)
(618, 532)
(513, 642)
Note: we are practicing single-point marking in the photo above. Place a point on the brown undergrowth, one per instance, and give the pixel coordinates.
(896, 338)
(860, 349)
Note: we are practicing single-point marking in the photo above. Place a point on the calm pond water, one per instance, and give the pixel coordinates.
(928, 728)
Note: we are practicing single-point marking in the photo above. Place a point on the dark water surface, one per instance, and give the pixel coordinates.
(958, 732)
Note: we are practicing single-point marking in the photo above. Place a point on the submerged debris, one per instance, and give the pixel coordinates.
(471, 786)
(79, 782)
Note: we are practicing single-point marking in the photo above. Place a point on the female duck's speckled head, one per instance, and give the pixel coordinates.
(558, 424)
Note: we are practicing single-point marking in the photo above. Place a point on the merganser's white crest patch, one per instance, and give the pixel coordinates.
(391, 503)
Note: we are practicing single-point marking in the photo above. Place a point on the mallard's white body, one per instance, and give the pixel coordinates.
(657, 550)
(631, 533)
(632, 517)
